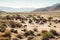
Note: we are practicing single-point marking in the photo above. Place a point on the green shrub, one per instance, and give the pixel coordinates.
(8, 17)
(47, 36)
(2, 29)
(50, 18)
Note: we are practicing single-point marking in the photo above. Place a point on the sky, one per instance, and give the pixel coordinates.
(27, 3)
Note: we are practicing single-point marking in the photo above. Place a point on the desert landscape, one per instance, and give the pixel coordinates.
(30, 25)
(29, 19)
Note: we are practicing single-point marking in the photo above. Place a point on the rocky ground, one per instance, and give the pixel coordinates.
(29, 26)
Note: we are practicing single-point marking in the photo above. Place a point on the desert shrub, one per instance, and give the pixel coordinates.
(7, 33)
(59, 21)
(50, 18)
(38, 34)
(37, 20)
(12, 24)
(41, 23)
(34, 18)
(47, 36)
(41, 18)
(35, 30)
(49, 25)
(8, 17)
(22, 21)
(15, 39)
(55, 21)
(43, 31)
(30, 21)
(24, 30)
(15, 25)
(18, 25)
(55, 26)
(54, 32)
(13, 16)
(29, 16)
(2, 29)
(28, 33)
(25, 25)
(30, 38)
(19, 36)
(3, 38)
(14, 31)
(17, 17)
(44, 20)
(38, 16)
(4, 25)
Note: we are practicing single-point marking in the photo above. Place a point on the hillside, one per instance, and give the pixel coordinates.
(54, 7)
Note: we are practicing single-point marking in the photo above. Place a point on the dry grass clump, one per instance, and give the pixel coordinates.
(14, 31)
(24, 30)
(29, 33)
(15, 38)
(8, 17)
(15, 25)
(30, 38)
(7, 33)
(38, 34)
(43, 31)
(29, 16)
(30, 21)
(54, 32)
(35, 29)
(19, 36)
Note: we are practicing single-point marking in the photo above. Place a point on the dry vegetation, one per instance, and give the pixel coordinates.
(30, 26)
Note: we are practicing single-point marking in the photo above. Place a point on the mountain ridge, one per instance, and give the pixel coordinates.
(54, 7)
(8, 9)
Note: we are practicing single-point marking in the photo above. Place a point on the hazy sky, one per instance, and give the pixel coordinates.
(27, 3)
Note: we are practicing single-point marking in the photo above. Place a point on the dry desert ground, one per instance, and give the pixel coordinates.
(30, 26)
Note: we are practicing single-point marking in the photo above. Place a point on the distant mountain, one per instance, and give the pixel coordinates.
(8, 9)
(49, 8)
